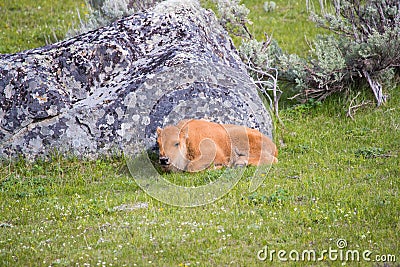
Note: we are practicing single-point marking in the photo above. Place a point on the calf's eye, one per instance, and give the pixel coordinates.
(176, 144)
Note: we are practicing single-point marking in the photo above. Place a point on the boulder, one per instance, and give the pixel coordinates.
(108, 89)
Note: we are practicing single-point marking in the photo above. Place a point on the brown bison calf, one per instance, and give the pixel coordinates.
(194, 145)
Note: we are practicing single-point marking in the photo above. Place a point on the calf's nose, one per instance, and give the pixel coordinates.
(164, 160)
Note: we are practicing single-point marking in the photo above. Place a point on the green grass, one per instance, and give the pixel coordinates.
(63, 212)
(336, 178)
(26, 24)
(288, 24)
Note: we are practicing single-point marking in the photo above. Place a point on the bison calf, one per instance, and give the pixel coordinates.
(194, 145)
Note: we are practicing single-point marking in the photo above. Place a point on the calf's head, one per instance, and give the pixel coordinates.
(172, 145)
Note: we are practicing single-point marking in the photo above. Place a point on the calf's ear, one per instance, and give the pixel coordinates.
(159, 130)
(185, 132)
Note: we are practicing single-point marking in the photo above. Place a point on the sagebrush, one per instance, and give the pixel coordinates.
(361, 51)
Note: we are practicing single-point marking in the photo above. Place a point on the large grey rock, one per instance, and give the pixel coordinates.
(101, 91)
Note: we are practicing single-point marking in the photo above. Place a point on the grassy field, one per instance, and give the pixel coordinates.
(26, 24)
(288, 24)
(337, 179)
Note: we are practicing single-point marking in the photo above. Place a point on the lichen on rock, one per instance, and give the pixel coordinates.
(101, 91)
